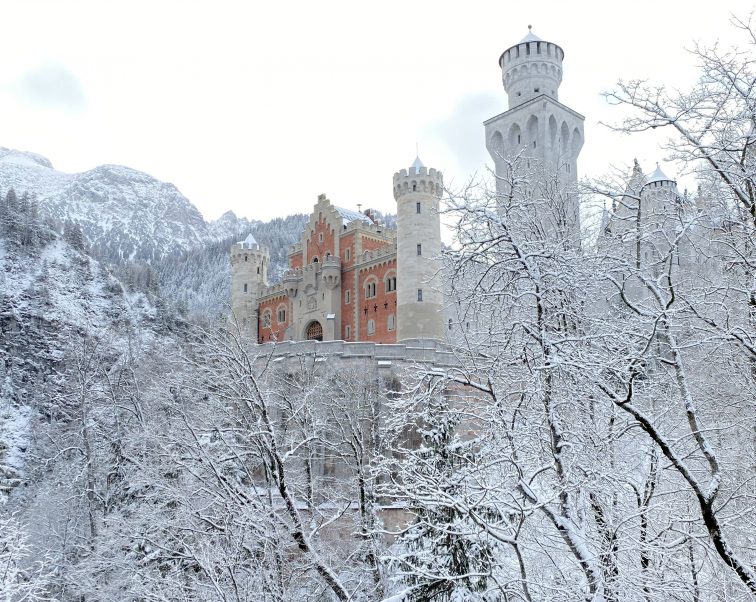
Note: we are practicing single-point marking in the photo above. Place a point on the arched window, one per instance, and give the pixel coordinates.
(347, 296)
(245, 287)
(258, 269)
(371, 327)
(348, 254)
(246, 258)
(347, 332)
(391, 323)
(391, 282)
(315, 259)
(266, 318)
(370, 288)
(281, 314)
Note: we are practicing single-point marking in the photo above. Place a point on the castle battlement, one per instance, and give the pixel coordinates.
(273, 290)
(418, 179)
(375, 254)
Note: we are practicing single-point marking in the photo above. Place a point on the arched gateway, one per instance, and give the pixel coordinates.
(314, 331)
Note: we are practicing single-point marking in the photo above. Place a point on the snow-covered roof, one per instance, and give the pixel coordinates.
(417, 165)
(658, 176)
(249, 242)
(347, 215)
(531, 37)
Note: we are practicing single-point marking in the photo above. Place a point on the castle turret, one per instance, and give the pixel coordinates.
(531, 68)
(538, 136)
(249, 273)
(417, 191)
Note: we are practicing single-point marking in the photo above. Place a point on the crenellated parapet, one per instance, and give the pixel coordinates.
(531, 68)
(331, 272)
(420, 179)
(274, 290)
(244, 252)
(377, 255)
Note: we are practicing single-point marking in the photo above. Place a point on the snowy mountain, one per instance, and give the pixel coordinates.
(123, 213)
(229, 225)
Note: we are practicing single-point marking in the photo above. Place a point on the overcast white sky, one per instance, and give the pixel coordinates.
(260, 106)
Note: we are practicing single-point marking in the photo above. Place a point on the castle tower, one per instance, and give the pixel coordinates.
(249, 273)
(543, 134)
(417, 191)
(660, 207)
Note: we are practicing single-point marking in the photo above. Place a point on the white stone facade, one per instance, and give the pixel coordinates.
(538, 132)
(418, 192)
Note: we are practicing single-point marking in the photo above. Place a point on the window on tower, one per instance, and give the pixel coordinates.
(347, 296)
(419, 294)
(417, 207)
(347, 332)
(419, 249)
(245, 287)
(370, 289)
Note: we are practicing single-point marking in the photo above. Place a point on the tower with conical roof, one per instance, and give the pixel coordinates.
(417, 191)
(539, 134)
(249, 274)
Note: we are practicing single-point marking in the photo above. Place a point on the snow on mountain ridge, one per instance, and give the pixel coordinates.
(123, 213)
(9, 155)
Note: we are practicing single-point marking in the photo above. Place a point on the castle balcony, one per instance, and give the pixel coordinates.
(290, 282)
(331, 272)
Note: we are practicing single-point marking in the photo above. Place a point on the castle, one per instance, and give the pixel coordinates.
(349, 277)
(352, 279)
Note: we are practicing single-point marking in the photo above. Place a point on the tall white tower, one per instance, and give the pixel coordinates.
(540, 133)
(417, 191)
(249, 273)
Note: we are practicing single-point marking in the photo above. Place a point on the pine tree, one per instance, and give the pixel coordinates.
(444, 555)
